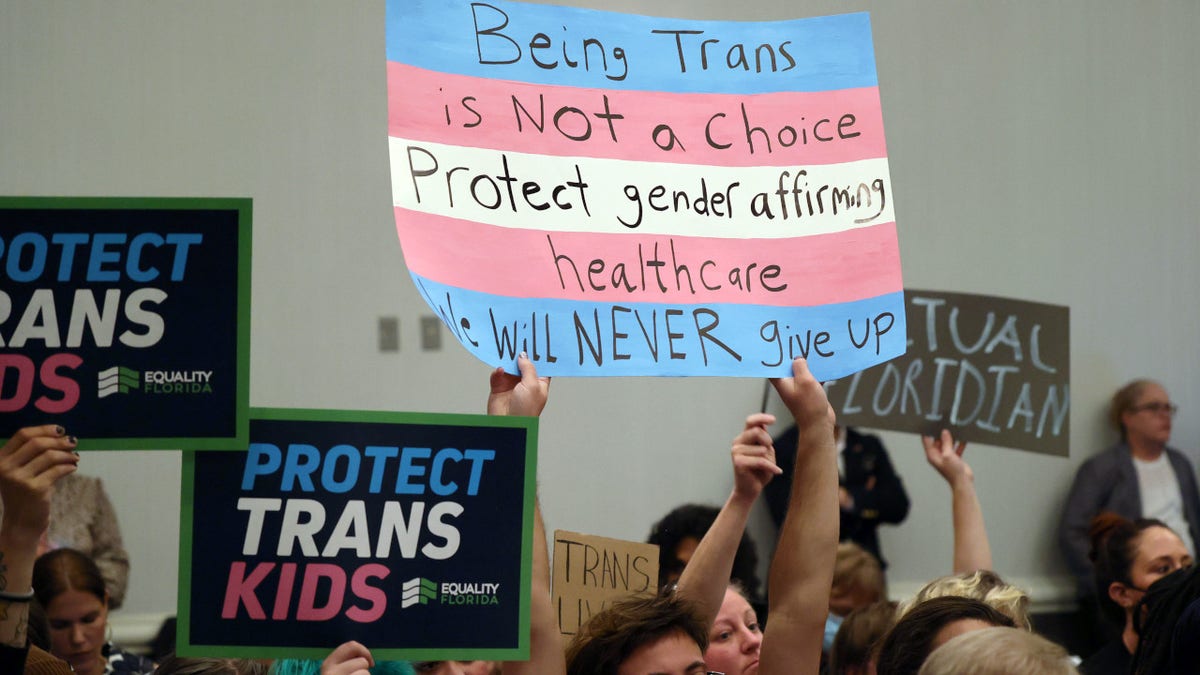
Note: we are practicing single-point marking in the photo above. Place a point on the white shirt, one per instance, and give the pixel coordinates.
(1161, 498)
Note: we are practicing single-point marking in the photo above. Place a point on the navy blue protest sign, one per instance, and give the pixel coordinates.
(126, 320)
(411, 533)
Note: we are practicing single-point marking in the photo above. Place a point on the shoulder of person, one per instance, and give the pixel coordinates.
(1108, 459)
(1178, 456)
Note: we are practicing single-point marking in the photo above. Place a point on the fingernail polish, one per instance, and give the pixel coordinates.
(72, 440)
(59, 430)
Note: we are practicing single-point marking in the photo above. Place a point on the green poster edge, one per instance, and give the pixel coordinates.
(184, 646)
(244, 208)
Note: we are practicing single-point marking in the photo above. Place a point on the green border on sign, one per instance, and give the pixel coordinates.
(184, 646)
(244, 208)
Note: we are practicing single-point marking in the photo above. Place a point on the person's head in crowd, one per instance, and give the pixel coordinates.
(640, 636)
(999, 651)
(179, 665)
(928, 626)
(862, 629)
(313, 667)
(735, 639)
(983, 585)
(858, 580)
(678, 534)
(1168, 625)
(452, 668)
(1128, 556)
(1141, 412)
(69, 586)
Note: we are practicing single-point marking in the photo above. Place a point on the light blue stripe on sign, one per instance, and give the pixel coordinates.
(546, 44)
(566, 337)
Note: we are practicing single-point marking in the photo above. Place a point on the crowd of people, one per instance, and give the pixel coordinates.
(1128, 530)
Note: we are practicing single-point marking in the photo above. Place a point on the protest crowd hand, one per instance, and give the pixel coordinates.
(350, 658)
(30, 463)
(806, 400)
(972, 550)
(945, 455)
(525, 394)
(753, 456)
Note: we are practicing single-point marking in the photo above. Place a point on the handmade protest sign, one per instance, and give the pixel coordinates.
(591, 572)
(628, 195)
(410, 533)
(992, 370)
(125, 320)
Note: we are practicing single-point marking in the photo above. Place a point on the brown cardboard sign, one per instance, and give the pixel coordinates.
(992, 370)
(591, 572)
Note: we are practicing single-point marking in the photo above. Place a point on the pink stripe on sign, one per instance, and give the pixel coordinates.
(785, 129)
(623, 267)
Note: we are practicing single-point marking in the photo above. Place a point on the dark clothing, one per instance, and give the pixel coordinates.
(30, 661)
(878, 493)
(12, 659)
(1113, 659)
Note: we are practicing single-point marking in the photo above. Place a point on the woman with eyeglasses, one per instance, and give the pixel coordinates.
(1139, 477)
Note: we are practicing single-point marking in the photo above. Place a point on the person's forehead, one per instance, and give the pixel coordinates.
(74, 601)
(1157, 542)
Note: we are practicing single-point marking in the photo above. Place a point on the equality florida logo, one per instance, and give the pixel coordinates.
(122, 379)
(419, 590)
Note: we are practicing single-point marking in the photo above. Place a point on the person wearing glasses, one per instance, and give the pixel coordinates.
(1139, 477)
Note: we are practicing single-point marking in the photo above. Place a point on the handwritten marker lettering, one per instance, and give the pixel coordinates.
(630, 195)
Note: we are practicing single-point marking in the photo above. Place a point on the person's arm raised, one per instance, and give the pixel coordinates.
(971, 548)
(706, 576)
(30, 463)
(802, 569)
(527, 395)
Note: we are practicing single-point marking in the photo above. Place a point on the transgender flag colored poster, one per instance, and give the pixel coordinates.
(629, 195)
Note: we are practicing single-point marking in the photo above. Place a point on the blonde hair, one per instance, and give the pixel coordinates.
(983, 585)
(998, 651)
(855, 569)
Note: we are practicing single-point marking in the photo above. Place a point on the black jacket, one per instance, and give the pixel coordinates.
(879, 495)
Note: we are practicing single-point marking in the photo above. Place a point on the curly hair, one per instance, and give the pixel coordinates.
(693, 520)
(983, 585)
